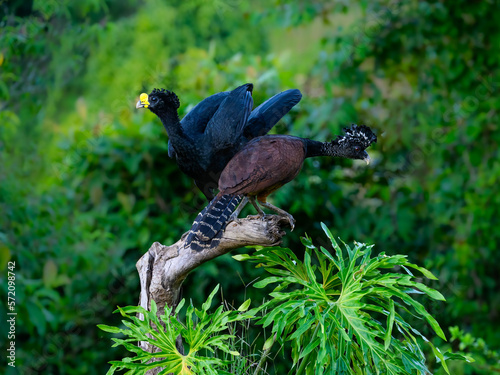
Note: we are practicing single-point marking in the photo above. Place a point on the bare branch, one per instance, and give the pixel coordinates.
(163, 268)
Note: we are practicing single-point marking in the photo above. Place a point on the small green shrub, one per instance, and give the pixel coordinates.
(201, 333)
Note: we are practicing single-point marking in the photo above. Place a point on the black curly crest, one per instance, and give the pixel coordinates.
(361, 134)
(168, 96)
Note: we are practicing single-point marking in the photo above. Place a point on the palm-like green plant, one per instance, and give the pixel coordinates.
(343, 315)
(202, 332)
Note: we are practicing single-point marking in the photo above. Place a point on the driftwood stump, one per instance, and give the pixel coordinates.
(163, 268)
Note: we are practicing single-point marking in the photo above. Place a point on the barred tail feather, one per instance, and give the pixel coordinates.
(208, 225)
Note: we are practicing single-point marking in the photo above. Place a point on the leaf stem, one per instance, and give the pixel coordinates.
(263, 358)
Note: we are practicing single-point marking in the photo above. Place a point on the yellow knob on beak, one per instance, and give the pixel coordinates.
(143, 101)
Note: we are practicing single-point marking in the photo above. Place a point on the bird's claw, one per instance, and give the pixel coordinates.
(262, 217)
(291, 221)
(235, 219)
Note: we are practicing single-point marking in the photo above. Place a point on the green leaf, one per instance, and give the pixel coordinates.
(154, 308)
(180, 306)
(245, 305)
(458, 356)
(423, 270)
(302, 328)
(424, 288)
(208, 302)
(109, 329)
(267, 281)
(241, 257)
(307, 242)
(440, 357)
(390, 324)
(269, 343)
(131, 310)
(328, 233)
(309, 348)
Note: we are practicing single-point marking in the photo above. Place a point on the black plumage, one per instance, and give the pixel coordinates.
(215, 129)
(197, 119)
(263, 166)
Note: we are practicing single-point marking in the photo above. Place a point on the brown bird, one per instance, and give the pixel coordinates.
(264, 165)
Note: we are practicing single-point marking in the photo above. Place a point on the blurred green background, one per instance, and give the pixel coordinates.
(86, 185)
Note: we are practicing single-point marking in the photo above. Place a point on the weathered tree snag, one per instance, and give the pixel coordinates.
(163, 268)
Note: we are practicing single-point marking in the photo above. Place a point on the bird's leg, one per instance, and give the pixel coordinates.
(262, 214)
(281, 212)
(236, 213)
(206, 189)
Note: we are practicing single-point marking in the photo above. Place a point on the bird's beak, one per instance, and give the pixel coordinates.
(366, 158)
(143, 101)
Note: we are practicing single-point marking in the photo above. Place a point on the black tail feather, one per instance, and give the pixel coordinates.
(209, 224)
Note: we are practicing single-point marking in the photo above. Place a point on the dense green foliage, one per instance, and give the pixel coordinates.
(86, 184)
(327, 305)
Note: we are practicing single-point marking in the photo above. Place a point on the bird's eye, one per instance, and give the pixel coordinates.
(153, 99)
(357, 148)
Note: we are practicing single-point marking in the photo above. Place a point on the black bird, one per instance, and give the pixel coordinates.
(215, 129)
(263, 166)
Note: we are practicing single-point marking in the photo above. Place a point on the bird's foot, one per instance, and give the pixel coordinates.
(234, 218)
(262, 217)
(291, 221)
